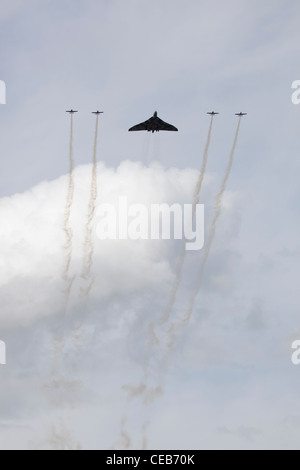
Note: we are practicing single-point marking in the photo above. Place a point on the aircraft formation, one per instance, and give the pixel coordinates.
(167, 322)
(154, 123)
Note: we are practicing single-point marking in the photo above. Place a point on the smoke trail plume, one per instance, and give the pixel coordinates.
(196, 200)
(126, 441)
(203, 168)
(145, 390)
(218, 208)
(66, 227)
(156, 149)
(173, 328)
(88, 242)
(62, 439)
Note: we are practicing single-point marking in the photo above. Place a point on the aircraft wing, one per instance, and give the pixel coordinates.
(143, 126)
(164, 126)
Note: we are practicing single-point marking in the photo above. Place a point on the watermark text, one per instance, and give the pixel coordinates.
(296, 94)
(123, 221)
(2, 92)
(296, 353)
(2, 353)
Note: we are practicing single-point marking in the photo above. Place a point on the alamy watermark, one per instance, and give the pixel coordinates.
(124, 221)
(296, 353)
(2, 92)
(2, 353)
(296, 94)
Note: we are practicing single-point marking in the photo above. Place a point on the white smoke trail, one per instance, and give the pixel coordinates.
(148, 394)
(146, 146)
(57, 437)
(126, 440)
(218, 208)
(62, 391)
(143, 391)
(203, 168)
(88, 242)
(156, 146)
(196, 199)
(61, 438)
(66, 227)
(59, 389)
(173, 328)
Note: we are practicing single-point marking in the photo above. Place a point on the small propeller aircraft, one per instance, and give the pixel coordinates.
(212, 113)
(71, 111)
(241, 114)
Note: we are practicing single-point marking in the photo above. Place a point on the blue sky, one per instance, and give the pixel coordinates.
(229, 378)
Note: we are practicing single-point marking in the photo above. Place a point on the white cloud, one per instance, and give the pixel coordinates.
(105, 338)
(131, 288)
(32, 256)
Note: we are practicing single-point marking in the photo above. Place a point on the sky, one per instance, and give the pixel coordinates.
(100, 370)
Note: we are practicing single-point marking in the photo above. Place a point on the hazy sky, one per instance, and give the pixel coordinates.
(228, 382)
